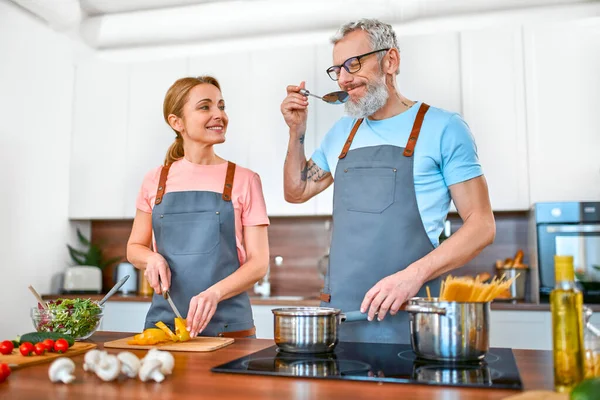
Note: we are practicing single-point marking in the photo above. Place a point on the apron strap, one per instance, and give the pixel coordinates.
(228, 181)
(162, 184)
(409, 149)
(350, 139)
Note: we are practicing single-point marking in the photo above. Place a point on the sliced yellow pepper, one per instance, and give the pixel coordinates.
(180, 330)
(167, 331)
(149, 337)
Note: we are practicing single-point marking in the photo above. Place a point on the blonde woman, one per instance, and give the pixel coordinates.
(200, 228)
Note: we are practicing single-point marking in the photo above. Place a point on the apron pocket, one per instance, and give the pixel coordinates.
(192, 233)
(369, 190)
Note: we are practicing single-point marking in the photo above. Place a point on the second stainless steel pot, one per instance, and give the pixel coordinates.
(449, 331)
(310, 329)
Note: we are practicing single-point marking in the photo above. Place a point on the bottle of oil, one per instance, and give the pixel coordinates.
(566, 303)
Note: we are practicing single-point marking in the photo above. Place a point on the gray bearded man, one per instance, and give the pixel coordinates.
(397, 164)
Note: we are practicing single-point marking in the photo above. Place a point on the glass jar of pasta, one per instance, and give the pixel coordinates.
(591, 340)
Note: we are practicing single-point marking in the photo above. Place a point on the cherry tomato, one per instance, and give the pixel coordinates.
(61, 345)
(6, 347)
(26, 348)
(49, 343)
(4, 372)
(39, 348)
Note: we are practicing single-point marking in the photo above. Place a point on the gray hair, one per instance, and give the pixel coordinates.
(381, 35)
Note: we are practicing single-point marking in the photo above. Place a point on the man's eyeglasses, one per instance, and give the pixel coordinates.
(351, 65)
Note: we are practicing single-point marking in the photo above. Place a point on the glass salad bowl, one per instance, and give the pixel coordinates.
(78, 318)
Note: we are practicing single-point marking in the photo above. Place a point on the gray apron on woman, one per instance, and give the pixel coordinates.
(377, 231)
(195, 233)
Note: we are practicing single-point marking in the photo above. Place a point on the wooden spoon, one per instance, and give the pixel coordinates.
(38, 297)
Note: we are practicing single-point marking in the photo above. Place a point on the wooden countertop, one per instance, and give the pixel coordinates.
(193, 379)
(293, 301)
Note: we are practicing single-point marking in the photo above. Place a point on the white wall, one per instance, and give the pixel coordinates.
(36, 85)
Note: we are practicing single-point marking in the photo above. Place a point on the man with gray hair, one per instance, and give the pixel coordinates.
(396, 163)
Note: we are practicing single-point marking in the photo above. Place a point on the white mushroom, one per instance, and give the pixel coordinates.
(92, 358)
(108, 368)
(61, 370)
(151, 371)
(130, 364)
(166, 359)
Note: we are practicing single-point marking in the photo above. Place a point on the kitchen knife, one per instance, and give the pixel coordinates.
(167, 296)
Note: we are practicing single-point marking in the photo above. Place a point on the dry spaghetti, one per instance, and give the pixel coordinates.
(467, 289)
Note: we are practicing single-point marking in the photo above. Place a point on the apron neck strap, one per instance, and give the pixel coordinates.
(228, 181)
(350, 139)
(409, 149)
(412, 139)
(162, 183)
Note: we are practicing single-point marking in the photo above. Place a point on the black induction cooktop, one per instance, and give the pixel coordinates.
(395, 363)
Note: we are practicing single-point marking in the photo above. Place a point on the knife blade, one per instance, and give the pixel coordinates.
(167, 296)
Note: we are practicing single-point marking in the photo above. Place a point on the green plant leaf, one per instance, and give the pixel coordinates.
(77, 256)
(596, 267)
(82, 238)
(92, 255)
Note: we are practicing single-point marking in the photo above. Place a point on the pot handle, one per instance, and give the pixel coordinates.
(426, 310)
(353, 316)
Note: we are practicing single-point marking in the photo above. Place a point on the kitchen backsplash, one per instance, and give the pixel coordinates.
(301, 242)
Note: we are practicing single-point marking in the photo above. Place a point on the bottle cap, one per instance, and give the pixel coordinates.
(563, 268)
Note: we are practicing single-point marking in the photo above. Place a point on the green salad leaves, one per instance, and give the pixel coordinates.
(75, 317)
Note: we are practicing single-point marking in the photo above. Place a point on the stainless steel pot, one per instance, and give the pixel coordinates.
(310, 329)
(449, 331)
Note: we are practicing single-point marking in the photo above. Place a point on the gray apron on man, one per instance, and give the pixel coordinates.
(377, 231)
(195, 233)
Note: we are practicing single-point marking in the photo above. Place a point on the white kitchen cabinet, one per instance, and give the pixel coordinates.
(430, 69)
(263, 320)
(521, 329)
(562, 64)
(493, 92)
(124, 316)
(98, 152)
(148, 135)
(272, 71)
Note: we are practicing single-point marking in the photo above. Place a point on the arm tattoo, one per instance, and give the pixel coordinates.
(312, 171)
(301, 139)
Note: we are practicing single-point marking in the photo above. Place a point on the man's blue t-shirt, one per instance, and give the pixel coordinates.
(445, 154)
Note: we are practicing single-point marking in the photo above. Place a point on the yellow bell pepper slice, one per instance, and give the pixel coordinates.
(167, 331)
(149, 337)
(180, 330)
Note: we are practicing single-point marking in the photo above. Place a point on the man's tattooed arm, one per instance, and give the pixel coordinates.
(313, 172)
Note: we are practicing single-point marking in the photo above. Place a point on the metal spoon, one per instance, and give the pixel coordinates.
(339, 97)
(113, 290)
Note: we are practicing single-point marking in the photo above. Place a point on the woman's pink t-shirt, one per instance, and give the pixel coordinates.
(247, 196)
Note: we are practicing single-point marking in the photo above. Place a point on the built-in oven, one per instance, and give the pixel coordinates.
(568, 228)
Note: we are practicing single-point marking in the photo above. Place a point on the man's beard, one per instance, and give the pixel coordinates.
(375, 98)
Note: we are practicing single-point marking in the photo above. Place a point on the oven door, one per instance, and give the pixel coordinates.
(582, 241)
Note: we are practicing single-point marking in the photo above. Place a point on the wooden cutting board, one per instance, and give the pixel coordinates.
(198, 344)
(539, 395)
(16, 360)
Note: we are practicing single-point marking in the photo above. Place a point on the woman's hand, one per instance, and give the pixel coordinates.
(157, 267)
(202, 309)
